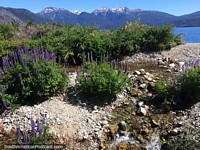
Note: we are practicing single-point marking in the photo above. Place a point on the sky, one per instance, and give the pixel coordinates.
(175, 7)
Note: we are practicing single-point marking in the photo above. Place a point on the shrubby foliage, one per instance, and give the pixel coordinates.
(166, 94)
(101, 80)
(186, 90)
(31, 76)
(71, 41)
(190, 86)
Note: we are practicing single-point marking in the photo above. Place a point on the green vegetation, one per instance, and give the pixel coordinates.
(166, 94)
(183, 143)
(102, 80)
(31, 76)
(71, 41)
(190, 87)
(186, 90)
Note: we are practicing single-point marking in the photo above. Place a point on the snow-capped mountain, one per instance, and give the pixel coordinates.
(123, 10)
(76, 12)
(51, 9)
(48, 10)
(104, 18)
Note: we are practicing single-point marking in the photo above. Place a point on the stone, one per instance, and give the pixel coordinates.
(122, 126)
(143, 86)
(104, 122)
(147, 73)
(181, 64)
(142, 71)
(160, 62)
(175, 131)
(143, 111)
(141, 103)
(172, 65)
(137, 72)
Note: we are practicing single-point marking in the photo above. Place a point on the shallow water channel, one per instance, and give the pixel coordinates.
(139, 128)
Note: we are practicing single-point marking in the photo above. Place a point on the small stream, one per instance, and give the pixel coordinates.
(126, 112)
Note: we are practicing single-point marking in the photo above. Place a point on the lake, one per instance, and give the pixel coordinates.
(190, 34)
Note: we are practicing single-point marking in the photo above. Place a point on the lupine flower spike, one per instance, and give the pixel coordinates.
(32, 127)
(18, 133)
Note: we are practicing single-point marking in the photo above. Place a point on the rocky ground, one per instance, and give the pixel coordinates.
(69, 117)
(185, 53)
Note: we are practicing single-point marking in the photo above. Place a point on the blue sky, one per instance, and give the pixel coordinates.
(175, 7)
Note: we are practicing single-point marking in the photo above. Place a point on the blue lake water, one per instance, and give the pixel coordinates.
(189, 34)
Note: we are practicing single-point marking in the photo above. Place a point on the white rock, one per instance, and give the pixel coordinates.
(142, 71)
(143, 86)
(138, 72)
(172, 65)
(143, 111)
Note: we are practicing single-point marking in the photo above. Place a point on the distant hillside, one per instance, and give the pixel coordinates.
(104, 18)
(189, 20)
(19, 15)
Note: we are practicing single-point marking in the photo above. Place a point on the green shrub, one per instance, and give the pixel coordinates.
(190, 87)
(166, 94)
(102, 80)
(32, 76)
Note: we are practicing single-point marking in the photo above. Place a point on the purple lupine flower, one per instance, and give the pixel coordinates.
(18, 133)
(11, 63)
(26, 139)
(32, 127)
(4, 103)
(38, 126)
(5, 63)
(46, 54)
(24, 64)
(43, 120)
(18, 47)
(26, 49)
(40, 132)
(1, 89)
(14, 56)
(21, 56)
(51, 56)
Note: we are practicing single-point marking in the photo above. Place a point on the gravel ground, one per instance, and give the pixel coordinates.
(185, 52)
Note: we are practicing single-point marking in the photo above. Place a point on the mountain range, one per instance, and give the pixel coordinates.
(103, 18)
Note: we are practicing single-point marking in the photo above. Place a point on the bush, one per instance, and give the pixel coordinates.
(190, 87)
(102, 80)
(185, 92)
(32, 76)
(166, 94)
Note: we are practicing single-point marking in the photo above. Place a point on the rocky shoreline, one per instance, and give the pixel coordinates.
(68, 117)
